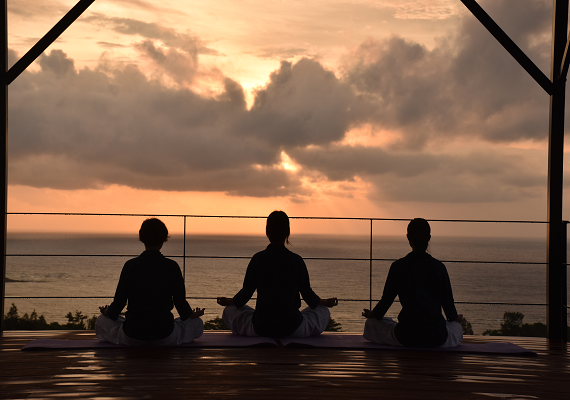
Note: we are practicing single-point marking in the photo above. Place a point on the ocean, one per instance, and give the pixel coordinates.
(87, 275)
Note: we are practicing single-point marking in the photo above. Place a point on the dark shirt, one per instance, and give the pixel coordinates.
(152, 284)
(423, 286)
(278, 275)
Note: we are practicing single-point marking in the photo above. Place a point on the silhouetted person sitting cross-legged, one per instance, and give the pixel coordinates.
(423, 286)
(278, 275)
(151, 284)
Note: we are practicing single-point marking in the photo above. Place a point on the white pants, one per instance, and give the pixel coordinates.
(382, 332)
(240, 321)
(111, 331)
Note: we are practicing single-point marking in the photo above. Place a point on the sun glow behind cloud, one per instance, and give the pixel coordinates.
(369, 135)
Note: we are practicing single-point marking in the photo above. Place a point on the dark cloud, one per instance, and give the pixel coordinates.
(303, 104)
(186, 42)
(57, 63)
(478, 176)
(180, 66)
(124, 128)
(468, 85)
(62, 172)
(112, 124)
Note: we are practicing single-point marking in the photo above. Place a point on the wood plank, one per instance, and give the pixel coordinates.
(166, 373)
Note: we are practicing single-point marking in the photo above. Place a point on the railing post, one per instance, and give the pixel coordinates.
(564, 284)
(555, 173)
(370, 273)
(184, 252)
(3, 156)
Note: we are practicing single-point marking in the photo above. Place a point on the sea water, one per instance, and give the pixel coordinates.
(59, 265)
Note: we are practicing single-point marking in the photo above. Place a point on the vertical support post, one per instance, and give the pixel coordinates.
(184, 252)
(370, 273)
(555, 246)
(3, 155)
(564, 283)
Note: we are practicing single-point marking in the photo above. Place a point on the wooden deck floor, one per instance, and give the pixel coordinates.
(246, 373)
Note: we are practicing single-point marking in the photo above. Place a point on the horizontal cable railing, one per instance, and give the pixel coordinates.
(369, 259)
(305, 258)
(253, 298)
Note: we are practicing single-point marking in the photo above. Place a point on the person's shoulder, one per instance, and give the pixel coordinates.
(132, 262)
(434, 262)
(295, 256)
(289, 254)
(169, 262)
(261, 254)
(277, 251)
(414, 257)
(166, 262)
(433, 259)
(154, 258)
(404, 260)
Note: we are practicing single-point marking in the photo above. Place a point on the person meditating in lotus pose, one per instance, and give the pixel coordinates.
(278, 275)
(423, 286)
(151, 284)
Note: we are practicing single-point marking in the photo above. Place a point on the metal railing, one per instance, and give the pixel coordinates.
(184, 256)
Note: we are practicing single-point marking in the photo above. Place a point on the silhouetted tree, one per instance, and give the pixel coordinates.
(333, 326)
(216, 324)
(512, 325)
(467, 328)
(76, 321)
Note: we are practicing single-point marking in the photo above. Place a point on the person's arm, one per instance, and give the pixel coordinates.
(307, 292)
(447, 302)
(179, 294)
(331, 302)
(225, 301)
(197, 313)
(249, 285)
(390, 292)
(367, 313)
(121, 294)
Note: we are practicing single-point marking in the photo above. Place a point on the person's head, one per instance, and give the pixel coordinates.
(277, 228)
(419, 234)
(153, 233)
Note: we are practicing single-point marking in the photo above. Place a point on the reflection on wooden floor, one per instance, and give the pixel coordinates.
(245, 373)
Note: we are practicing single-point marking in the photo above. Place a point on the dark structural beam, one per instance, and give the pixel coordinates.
(3, 153)
(556, 273)
(565, 62)
(8, 77)
(509, 45)
(48, 39)
(556, 317)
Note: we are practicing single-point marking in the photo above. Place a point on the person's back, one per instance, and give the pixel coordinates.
(278, 275)
(424, 289)
(152, 285)
(422, 284)
(281, 276)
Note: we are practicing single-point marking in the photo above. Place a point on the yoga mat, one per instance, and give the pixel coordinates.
(208, 339)
(357, 341)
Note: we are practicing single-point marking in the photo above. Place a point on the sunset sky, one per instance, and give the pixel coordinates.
(353, 108)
